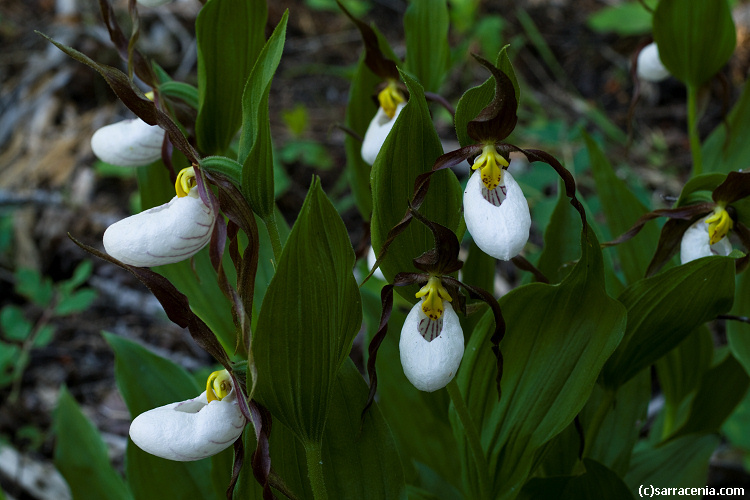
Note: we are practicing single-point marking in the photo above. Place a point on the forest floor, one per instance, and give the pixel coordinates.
(50, 184)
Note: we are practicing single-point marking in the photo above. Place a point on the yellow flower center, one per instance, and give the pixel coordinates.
(389, 98)
(432, 306)
(185, 182)
(218, 385)
(491, 164)
(719, 224)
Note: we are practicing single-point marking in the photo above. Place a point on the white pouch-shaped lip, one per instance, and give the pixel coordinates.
(696, 243)
(189, 430)
(500, 231)
(371, 258)
(650, 67)
(162, 235)
(129, 143)
(378, 130)
(429, 366)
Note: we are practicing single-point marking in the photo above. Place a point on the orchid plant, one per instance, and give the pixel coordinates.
(546, 387)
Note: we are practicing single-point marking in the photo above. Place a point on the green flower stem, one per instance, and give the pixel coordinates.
(315, 470)
(695, 142)
(472, 436)
(273, 233)
(595, 425)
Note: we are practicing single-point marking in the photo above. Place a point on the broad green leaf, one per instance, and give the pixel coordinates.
(735, 428)
(664, 309)
(196, 279)
(561, 249)
(411, 149)
(680, 371)
(721, 389)
(681, 463)
(147, 381)
(81, 455)
(625, 19)
(476, 98)
(695, 38)
(619, 431)
(255, 150)
(359, 456)
(359, 111)
(596, 483)
(14, 324)
(10, 356)
(738, 333)
(427, 51)
(183, 91)
(699, 185)
(310, 315)
(622, 209)
(725, 150)
(229, 35)
(557, 339)
(415, 417)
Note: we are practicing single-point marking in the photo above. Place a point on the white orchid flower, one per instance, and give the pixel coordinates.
(650, 67)
(391, 103)
(496, 212)
(707, 236)
(192, 429)
(165, 234)
(432, 342)
(371, 259)
(129, 143)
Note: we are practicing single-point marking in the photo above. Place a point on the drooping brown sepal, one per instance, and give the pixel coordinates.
(124, 47)
(374, 58)
(443, 259)
(498, 119)
(735, 187)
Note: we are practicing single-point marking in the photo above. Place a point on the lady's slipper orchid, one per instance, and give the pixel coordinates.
(165, 234)
(496, 212)
(650, 67)
(707, 236)
(432, 342)
(129, 143)
(391, 103)
(192, 429)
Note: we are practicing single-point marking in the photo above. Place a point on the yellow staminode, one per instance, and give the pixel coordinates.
(150, 95)
(719, 225)
(491, 164)
(218, 385)
(185, 181)
(389, 98)
(432, 306)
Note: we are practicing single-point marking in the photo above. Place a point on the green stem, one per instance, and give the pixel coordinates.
(472, 436)
(315, 470)
(273, 233)
(695, 142)
(595, 425)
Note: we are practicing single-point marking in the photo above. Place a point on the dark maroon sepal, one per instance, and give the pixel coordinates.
(443, 259)
(735, 187)
(123, 44)
(498, 119)
(374, 58)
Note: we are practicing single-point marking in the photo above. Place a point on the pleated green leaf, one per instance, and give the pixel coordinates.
(557, 340)
(256, 149)
(229, 35)
(359, 111)
(725, 150)
(738, 333)
(411, 149)
(427, 51)
(561, 250)
(310, 315)
(681, 463)
(622, 208)
(695, 38)
(596, 483)
(664, 309)
(147, 381)
(81, 455)
(721, 389)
